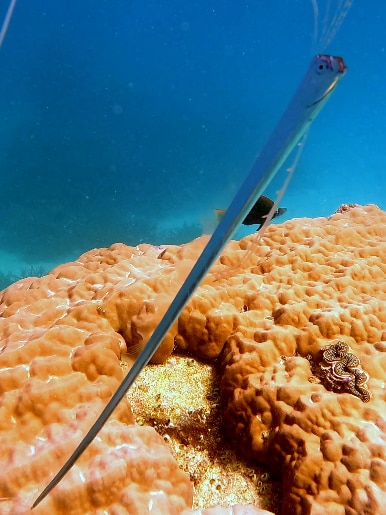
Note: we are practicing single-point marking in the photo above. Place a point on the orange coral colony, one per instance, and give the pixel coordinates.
(298, 324)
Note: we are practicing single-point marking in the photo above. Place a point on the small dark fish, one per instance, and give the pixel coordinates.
(258, 213)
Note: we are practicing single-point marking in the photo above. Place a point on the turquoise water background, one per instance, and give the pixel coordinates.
(131, 121)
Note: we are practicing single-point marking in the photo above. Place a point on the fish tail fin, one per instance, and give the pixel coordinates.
(209, 222)
(219, 214)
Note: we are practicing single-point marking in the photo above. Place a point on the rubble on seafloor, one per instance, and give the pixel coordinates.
(286, 343)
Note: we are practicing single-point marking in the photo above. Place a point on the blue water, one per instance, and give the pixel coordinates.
(131, 121)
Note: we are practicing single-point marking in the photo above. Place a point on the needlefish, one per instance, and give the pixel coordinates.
(319, 82)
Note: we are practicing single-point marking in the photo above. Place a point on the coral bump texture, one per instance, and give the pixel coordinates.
(297, 322)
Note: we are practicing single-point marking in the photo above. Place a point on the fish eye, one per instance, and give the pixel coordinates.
(320, 67)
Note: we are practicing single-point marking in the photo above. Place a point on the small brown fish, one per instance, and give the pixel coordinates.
(258, 213)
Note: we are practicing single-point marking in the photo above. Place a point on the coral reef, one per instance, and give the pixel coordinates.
(59, 366)
(297, 320)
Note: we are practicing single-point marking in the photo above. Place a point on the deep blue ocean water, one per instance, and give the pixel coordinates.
(131, 121)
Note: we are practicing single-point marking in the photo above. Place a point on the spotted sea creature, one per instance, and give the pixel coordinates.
(341, 371)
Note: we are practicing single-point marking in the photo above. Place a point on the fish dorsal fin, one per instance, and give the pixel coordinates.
(331, 21)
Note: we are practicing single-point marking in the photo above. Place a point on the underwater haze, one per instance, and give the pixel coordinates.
(131, 121)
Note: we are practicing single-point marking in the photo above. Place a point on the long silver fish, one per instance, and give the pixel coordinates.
(316, 87)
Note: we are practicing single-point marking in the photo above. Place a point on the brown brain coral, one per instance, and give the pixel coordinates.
(308, 285)
(60, 363)
(319, 284)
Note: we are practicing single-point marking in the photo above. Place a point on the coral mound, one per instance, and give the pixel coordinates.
(317, 286)
(297, 321)
(59, 365)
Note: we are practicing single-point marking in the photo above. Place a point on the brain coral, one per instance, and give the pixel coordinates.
(298, 322)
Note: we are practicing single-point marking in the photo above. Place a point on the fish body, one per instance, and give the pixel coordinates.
(320, 80)
(258, 213)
